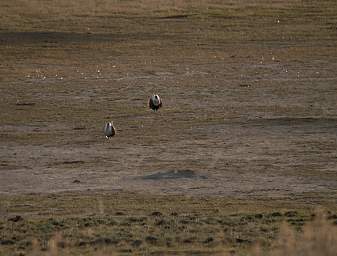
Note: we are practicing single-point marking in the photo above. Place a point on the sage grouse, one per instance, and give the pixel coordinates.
(155, 102)
(109, 130)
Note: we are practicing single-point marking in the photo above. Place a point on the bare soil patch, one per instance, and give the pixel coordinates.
(249, 95)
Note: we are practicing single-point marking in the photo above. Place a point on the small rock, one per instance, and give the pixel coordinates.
(241, 240)
(6, 242)
(187, 241)
(15, 218)
(290, 214)
(209, 240)
(151, 239)
(156, 214)
(276, 214)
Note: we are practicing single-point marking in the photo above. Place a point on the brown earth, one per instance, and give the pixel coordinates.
(246, 138)
(248, 89)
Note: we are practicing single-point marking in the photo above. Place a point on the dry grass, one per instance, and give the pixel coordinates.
(119, 223)
(319, 237)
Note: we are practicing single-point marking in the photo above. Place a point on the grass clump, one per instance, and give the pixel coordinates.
(318, 237)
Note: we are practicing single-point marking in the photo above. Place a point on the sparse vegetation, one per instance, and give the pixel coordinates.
(68, 224)
(317, 237)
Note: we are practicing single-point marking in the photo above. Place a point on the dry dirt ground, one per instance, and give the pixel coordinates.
(249, 93)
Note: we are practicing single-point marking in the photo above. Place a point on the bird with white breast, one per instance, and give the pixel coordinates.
(109, 130)
(155, 102)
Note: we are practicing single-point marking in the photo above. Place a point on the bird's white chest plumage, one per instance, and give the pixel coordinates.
(155, 102)
(109, 130)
